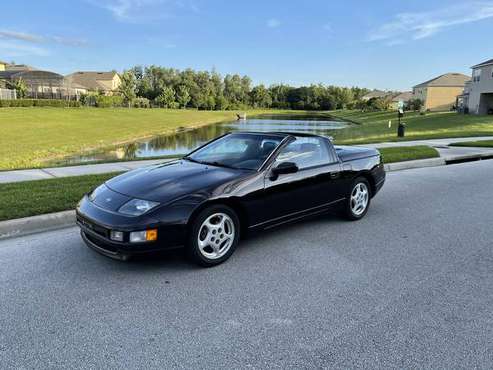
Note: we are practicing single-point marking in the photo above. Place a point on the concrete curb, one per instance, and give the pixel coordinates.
(421, 163)
(36, 224)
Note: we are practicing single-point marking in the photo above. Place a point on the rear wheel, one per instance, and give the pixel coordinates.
(358, 200)
(214, 236)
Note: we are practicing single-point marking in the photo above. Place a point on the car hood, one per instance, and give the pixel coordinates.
(166, 182)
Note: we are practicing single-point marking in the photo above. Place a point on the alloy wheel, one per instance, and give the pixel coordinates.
(359, 199)
(216, 236)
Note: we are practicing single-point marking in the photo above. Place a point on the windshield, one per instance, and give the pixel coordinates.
(240, 151)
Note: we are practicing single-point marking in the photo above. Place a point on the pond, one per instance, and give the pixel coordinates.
(185, 141)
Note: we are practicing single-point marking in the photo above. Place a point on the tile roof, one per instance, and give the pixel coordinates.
(91, 80)
(488, 62)
(448, 79)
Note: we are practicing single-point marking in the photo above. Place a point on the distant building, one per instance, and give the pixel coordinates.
(40, 84)
(105, 82)
(402, 96)
(440, 93)
(477, 97)
(3, 66)
(377, 94)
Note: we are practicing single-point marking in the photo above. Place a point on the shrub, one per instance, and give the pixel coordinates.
(103, 101)
(140, 103)
(58, 103)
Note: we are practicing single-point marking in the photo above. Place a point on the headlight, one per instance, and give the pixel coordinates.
(137, 207)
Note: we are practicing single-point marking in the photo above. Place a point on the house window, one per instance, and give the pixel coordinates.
(476, 75)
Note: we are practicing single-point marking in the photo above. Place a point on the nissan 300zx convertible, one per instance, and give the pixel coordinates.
(236, 183)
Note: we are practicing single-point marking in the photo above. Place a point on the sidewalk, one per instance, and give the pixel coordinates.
(431, 142)
(447, 153)
(89, 169)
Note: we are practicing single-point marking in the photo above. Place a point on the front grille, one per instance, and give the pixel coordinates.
(93, 226)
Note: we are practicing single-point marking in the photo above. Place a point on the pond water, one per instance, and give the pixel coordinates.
(185, 141)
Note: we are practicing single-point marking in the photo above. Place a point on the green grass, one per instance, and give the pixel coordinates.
(31, 136)
(475, 144)
(29, 198)
(407, 153)
(373, 126)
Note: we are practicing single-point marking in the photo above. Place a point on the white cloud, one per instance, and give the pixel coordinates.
(273, 23)
(38, 39)
(139, 11)
(14, 49)
(421, 25)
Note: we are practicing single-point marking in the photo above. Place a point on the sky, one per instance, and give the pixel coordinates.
(374, 44)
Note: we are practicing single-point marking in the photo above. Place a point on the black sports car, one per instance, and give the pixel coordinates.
(235, 183)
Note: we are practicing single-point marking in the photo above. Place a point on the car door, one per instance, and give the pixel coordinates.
(315, 185)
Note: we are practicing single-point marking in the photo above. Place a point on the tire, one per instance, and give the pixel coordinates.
(360, 192)
(214, 235)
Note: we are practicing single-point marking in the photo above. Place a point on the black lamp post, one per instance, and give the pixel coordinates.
(401, 127)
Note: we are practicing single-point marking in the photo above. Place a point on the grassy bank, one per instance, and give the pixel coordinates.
(29, 136)
(475, 144)
(30, 198)
(408, 153)
(374, 126)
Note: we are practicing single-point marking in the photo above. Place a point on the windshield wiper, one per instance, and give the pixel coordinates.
(190, 159)
(219, 164)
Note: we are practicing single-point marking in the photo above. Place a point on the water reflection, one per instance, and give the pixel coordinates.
(185, 141)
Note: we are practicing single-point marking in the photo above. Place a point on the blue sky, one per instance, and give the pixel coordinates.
(375, 44)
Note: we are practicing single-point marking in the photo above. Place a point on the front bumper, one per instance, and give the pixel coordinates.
(96, 225)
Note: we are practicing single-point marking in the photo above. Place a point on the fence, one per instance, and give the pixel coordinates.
(7, 94)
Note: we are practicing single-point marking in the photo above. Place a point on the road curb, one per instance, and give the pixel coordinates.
(36, 224)
(421, 163)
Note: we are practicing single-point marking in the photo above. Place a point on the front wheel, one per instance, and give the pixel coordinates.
(214, 236)
(358, 200)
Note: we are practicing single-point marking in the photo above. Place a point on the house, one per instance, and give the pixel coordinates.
(40, 84)
(3, 66)
(440, 93)
(105, 82)
(376, 94)
(463, 99)
(478, 94)
(403, 96)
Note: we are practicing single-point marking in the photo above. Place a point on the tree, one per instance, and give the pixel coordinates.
(20, 86)
(260, 97)
(182, 96)
(127, 87)
(415, 104)
(167, 98)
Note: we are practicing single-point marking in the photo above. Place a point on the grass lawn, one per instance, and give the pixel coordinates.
(373, 126)
(407, 153)
(29, 198)
(29, 136)
(475, 144)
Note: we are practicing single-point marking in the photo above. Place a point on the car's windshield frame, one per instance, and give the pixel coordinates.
(278, 136)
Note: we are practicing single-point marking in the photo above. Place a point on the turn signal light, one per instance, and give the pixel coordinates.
(151, 235)
(143, 236)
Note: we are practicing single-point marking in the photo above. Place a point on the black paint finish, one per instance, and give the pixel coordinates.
(261, 198)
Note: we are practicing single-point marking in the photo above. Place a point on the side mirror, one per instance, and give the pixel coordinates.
(284, 168)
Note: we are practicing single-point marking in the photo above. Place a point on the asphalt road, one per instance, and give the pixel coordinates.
(410, 286)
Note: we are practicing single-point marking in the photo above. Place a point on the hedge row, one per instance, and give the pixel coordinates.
(39, 103)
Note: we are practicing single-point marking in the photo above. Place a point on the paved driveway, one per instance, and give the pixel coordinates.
(410, 286)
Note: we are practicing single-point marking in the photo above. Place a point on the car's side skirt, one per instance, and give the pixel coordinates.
(295, 215)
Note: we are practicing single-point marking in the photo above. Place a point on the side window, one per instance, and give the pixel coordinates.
(306, 152)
